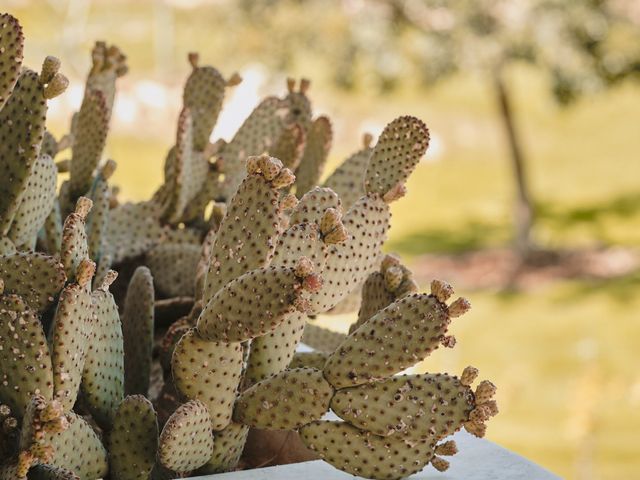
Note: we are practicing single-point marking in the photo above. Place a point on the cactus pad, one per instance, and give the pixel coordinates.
(36, 277)
(49, 472)
(366, 455)
(90, 136)
(348, 179)
(349, 263)
(316, 151)
(137, 332)
(36, 203)
(289, 146)
(79, 449)
(309, 360)
(285, 401)
(74, 248)
(313, 204)
(227, 449)
(174, 268)
(21, 141)
(103, 374)
(209, 372)
(71, 332)
(247, 234)
(322, 339)
(25, 363)
(395, 338)
(11, 48)
(255, 303)
(186, 441)
(398, 150)
(133, 441)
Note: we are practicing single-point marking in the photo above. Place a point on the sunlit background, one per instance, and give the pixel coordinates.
(556, 322)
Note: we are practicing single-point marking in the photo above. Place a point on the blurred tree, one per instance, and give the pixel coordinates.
(584, 46)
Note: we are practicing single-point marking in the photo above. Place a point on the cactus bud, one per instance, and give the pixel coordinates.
(50, 67)
(459, 307)
(469, 374)
(441, 290)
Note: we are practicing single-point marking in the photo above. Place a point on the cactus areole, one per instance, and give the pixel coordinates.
(146, 340)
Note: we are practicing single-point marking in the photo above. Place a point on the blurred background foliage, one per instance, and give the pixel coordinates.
(555, 323)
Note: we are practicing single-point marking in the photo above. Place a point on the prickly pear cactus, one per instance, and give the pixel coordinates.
(162, 372)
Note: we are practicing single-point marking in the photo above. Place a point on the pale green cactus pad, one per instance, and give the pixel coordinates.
(21, 141)
(90, 136)
(227, 449)
(322, 339)
(285, 401)
(289, 146)
(398, 337)
(256, 303)
(49, 472)
(186, 441)
(348, 179)
(98, 218)
(173, 266)
(108, 64)
(103, 373)
(79, 449)
(137, 330)
(71, 332)
(209, 372)
(53, 230)
(74, 248)
(366, 455)
(254, 211)
(313, 204)
(398, 150)
(36, 277)
(11, 48)
(133, 440)
(309, 360)
(25, 362)
(36, 203)
(316, 151)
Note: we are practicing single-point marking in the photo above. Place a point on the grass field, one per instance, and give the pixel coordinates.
(564, 355)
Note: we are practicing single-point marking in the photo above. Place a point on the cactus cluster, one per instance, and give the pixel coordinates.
(162, 372)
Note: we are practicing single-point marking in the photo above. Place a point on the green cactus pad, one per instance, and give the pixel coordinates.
(11, 48)
(102, 269)
(252, 305)
(25, 362)
(170, 339)
(70, 336)
(209, 372)
(187, 171)
(7, 247)
(137, 331)
(74, 248)
(108, 63)
(398, 337)
(382, 288)
(98, 218)
(309, 360)
(349, 304)
(349, 263)
(79, 449)
(186, 441)
(174, 268)
(133, 229)
(285, 401)
(247, 235)
(254, 137)
(53, 230)
(203, 95)
(22, 129)
(366, 455)
(272, 352)
(90, 136)
(103, 374)
(322, 339)
(133, 440)
(49, 145)
(398, 150)
(49, 472)
(348, 179)
(316, 151)
(313, 204)
(36, 277)
(426, 406)
(36, 203)
(289, 146)
(227, 449)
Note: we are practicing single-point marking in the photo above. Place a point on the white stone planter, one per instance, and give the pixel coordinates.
(477, 460)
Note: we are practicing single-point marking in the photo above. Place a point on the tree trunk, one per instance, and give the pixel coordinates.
(523, 213)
